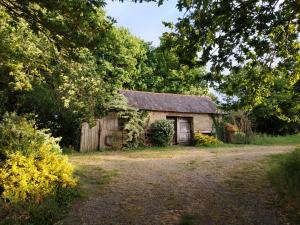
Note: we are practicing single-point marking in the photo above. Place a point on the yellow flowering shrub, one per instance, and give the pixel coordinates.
(33, 177)
(202, 139)
(36, 180)
(20, 134)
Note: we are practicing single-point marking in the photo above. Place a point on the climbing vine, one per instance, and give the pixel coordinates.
(134, 120)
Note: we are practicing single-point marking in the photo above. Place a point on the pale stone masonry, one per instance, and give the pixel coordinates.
(188, 113)
(200, 122)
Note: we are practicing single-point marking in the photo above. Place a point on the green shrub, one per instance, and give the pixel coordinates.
(20, 134)
(219, 126)
(264, 139)
(240, 138)
(285, 175)
(33, 172)
(204, 140)
(48, 212)
(162, 132)
(53, 208)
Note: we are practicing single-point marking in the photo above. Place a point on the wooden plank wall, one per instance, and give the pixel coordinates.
(90, 137)
(109, 127)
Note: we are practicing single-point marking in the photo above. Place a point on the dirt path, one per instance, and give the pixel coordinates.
(188, 186)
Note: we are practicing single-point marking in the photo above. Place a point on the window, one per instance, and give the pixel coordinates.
(121, 123)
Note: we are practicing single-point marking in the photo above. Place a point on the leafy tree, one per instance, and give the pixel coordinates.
(68, 24)
(54, 80)
(89, 80)
(274, 99)
(47, 46)
(257, 42)
(24, 56)
(162, 71)
(51, 113)
(280, 112)
(235, 34)
(230, 33)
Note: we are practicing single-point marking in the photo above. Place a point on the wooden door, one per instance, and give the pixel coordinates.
(89, 137)
(184, 131)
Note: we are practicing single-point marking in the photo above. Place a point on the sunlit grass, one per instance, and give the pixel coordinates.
(284, 174)
(275, 140)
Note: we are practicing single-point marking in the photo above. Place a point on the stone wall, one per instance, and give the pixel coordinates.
(200, 122)
(109, 124)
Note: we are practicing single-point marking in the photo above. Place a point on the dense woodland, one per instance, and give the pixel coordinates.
(64, 60)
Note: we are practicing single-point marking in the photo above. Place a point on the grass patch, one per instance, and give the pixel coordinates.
(187, 220)
(91, 178)
(258, 139)
(177, 148)
(151, 152)
(214, 145)
(284, 174)
(264, 139)
(68, 151)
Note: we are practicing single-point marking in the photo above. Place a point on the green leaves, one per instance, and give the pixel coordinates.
(24, 56)
(265, 93)
(230, 33)
(83, 66)
(162, 132)
(81, 84)
(252, 48)
(134, 119)
(69, 24)
(162, 71)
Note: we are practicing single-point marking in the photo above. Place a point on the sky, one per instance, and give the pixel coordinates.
(143, 19)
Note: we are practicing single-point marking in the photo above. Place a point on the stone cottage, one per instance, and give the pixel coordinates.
(188, 113)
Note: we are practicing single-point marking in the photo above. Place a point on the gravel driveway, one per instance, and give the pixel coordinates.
(184, 186)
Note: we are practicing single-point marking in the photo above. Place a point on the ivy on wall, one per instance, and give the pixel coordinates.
(134, 120)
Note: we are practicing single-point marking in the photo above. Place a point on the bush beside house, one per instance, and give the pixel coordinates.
(162, 132)
(205, 140)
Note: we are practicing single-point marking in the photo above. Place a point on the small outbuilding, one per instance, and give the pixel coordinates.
(188, 113)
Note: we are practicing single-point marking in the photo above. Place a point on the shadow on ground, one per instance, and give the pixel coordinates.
(197, 187)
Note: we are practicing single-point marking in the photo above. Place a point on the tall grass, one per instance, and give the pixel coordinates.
(52, 209)
(285, 176)
(263, 139)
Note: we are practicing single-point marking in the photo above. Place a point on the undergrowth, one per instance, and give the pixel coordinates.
(285, 177)
(264, 139)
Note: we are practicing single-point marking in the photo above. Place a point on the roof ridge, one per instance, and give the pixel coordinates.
(198, 96)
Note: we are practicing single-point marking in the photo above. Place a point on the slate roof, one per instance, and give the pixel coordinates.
(170, 102)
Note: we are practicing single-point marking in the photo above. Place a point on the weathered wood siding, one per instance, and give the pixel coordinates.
(89, 137)
(109, 127)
